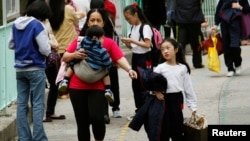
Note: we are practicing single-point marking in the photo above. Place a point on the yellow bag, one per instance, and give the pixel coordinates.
(213, 58)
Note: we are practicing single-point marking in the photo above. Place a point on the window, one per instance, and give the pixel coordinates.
(12, 9)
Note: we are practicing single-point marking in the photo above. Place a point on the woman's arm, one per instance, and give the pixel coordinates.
(71, 52)
(80, 54)
(123, 63)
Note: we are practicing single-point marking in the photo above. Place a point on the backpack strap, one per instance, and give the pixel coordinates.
(140, 32)
(130, 31)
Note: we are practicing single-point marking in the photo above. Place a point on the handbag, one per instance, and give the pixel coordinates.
(195, 128)
(53, 58)
(245, 28)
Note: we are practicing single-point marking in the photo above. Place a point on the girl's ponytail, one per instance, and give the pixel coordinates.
(134, 8)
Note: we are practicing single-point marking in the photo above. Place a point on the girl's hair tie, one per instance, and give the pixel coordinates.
(134, 4)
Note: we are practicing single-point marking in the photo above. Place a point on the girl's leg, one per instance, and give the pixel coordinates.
(173, 125)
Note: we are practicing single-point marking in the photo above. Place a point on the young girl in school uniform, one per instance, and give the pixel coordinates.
(177, 72)
(140, 47)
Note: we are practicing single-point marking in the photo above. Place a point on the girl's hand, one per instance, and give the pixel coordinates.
(214, 30)
(159, 95)
(126, 40)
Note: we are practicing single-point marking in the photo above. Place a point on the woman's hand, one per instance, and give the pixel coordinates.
(132, 74)
(80, 54)
(54, 46)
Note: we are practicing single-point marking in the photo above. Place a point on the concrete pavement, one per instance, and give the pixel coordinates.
(223, 100)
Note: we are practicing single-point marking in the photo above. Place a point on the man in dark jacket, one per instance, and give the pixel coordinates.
(188, 17)
(155, 11)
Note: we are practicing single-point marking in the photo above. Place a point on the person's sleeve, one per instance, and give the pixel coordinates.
(246, 6)
(43, 41)
(72, 46)
(147, 32)
(190, 95)
(157, 69)
(217, 18)
(114, 50)
(72, 14)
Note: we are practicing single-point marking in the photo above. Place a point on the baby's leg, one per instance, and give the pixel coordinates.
(108, 93)
(68, 72)
(63, 85)
(106, 80)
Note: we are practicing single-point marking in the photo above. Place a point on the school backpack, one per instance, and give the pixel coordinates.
(156, 40)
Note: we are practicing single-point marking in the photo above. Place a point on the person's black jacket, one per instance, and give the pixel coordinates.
(150, 115)
(155, 11)
(152, 111)
(227, 3)
(188, 11)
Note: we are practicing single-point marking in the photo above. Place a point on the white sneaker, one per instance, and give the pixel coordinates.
(230, 74)
(130, 118)
(238, 70)
(116, 114)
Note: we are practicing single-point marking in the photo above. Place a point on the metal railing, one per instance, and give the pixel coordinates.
(8, 91)
(208, 8)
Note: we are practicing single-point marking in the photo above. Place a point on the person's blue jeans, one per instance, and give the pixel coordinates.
(31, 84)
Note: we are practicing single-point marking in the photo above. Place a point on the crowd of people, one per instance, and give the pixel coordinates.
(57, 25)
